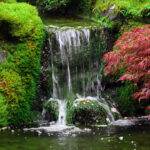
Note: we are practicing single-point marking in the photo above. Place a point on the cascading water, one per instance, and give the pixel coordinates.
(62, 113)
(76, 65)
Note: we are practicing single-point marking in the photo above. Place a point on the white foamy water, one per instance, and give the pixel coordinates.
(62, 113)
(66, 130)
(123, 122)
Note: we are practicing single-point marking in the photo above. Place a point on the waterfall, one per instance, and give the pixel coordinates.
(75, 65)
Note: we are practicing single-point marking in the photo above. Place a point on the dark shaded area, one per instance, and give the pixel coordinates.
(5, 32)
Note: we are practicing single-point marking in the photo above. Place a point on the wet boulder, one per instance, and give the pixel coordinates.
(88, 112)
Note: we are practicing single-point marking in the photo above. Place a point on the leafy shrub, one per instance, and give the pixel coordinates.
(52, 4)
(132, 51)
(126, 105)
(21, 71)
(53, 110)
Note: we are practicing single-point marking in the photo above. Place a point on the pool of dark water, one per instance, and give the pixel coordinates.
(66, 21)
(98, 138)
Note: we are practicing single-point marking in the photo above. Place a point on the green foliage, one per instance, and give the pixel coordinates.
(22, 38)
(70, 99)
(130, 8)
(104, 21)
(3, 111)
(127, 106)
(8, 1)
(129, 25)
(52, 4)
(53, 109)
(63, 6)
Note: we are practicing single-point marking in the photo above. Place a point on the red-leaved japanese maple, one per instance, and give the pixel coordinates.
(132, 52)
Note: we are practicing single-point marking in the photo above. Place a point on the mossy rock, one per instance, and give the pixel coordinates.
(22, 37)
(20, 19)
(53, 110)
(88, 112)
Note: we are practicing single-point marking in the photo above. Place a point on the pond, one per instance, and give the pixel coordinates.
(65, 21)
(100, 138)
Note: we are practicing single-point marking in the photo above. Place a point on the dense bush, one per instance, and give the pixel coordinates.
(126, 105)
(132, 52)
(21, 38)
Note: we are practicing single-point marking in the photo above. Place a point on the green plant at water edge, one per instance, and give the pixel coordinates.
(53, 110)
(21, 38)
(126, 105)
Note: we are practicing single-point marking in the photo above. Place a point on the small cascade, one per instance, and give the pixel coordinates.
(69, 78)
(62, 113)
(75, 66)
(44, 114)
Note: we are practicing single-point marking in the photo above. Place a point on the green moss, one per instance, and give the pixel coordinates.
(53, 109)
(126, 7)
(21, 20)
(21, 38)
(8, 1)
(87, 112)
(129, 13)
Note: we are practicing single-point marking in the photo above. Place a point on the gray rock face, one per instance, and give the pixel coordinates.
(2, 56)
(111, 14)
